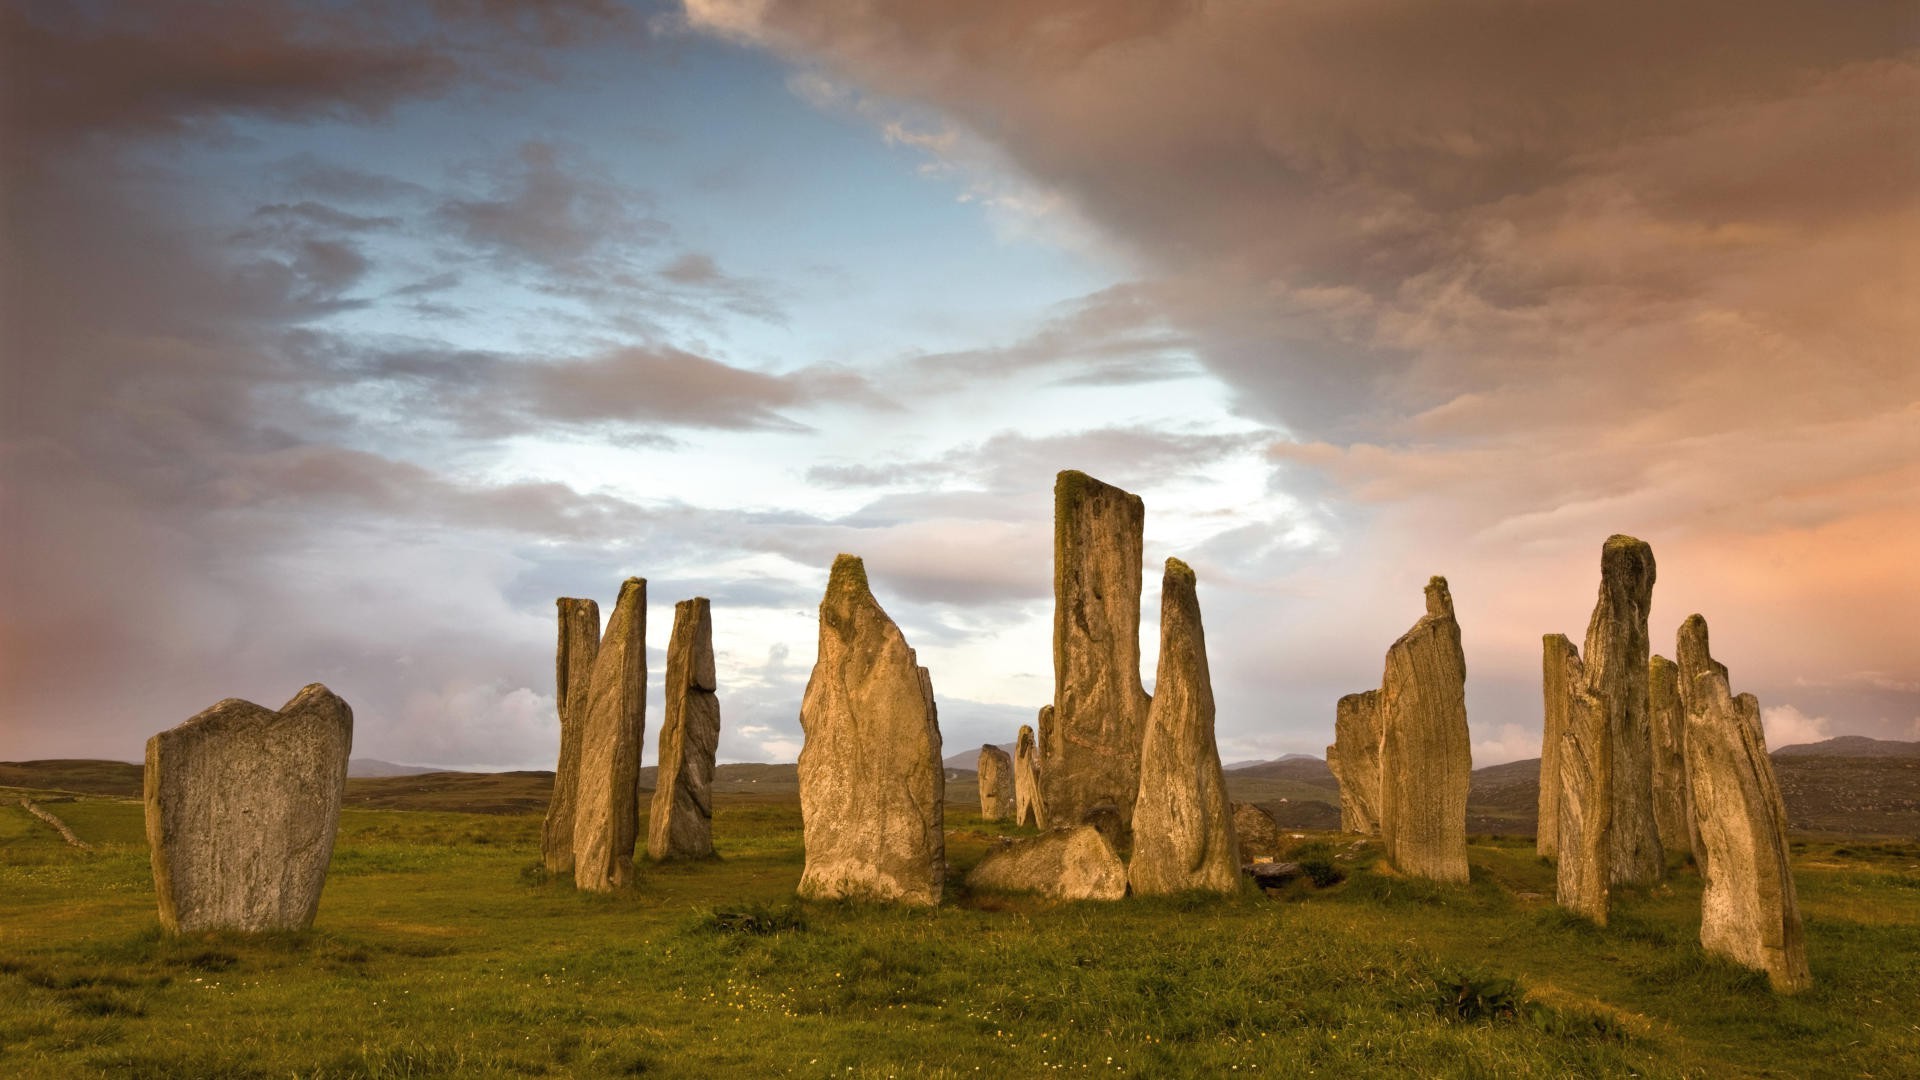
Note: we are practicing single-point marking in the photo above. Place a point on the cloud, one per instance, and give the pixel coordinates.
(1787, 726)
(1511, 742)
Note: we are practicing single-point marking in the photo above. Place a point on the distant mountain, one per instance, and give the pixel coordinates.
(969, 759)
(1304, 768)
(1853, 746)
(374, 767)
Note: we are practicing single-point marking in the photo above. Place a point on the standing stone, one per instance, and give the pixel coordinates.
(1426, 756)
(1672, 801)
(996, 784)
(606, 820)
(1556, 654)
(1258, 833)
(242, 807)
(871, 781)
(1616, 656)
(1090, 751)
(1584, 767)
(1354, 758)
(1748, 908)
(1075, 863)
(1182, 822)
(1029, 809)
(680, 823)
(573, 677)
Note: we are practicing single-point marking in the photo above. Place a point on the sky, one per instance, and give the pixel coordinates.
(337, 340)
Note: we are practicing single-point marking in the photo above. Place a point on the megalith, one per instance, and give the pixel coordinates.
(1749, 911)
(1090, 750)
(1073, 863)
(1616, 656)
(606, 816)
(871, 781)
(1029, 809)
(1182, 821)
(1557, 654)
(996, 784)
(1584, 767)
(1426, 757)
(573, 677)
(1354, 758)
(680, 821)
(242, 806)
(1672, 801)
(1257, 832)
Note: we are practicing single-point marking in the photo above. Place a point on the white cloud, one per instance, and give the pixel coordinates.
(1788, 726)
(1512, 743)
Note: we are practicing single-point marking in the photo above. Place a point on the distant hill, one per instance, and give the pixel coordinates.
(969, 759)
(1853, 746)
(366, 766)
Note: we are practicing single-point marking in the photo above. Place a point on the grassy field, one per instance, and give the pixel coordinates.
(439, 951)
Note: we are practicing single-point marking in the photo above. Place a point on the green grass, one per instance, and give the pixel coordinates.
(439, 952)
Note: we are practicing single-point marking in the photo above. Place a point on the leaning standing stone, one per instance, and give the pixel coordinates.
(1748, 908)
(242, 807)
(996, 784)
(1354, 759)
(1029, 809)
(871, 780)
(1616, 655)
(1182, 822)
(1425, 753)
(1557, 655)
(1585, 770)
(680, 823)
(607, 810)
(1672, 803)
(573, 678)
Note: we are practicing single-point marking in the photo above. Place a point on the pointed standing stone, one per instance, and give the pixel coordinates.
(1029, 809)
(1426, 756)
(1556, 653)
(1748, 909)
(573, 677)
(1354, 758)
(606, 816)
(871, 780)
(996, 784)
(1616, 656)
(1090, 752)
(1672, 802)
(242, 806)
(1182, 821)
(1584, 767)
(680, 821)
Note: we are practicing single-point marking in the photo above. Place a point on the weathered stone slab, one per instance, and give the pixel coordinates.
(1426, 756)
(606, 821)
(1616, 655)
(1029, 808)
(1258, 833)
(996, 784)
(1182, 821)
(1075, 863)
(1583, 882)
(871, 782)
(1749, 910)
(1090, 750)
(1354, 758)
(1672, 798)
(242, 806)
(573, 678)
(1556, 654)
(680, 821)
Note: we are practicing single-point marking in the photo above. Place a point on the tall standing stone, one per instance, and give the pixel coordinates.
(996, 784)
(1672, 801)
(1616, 656)
(242, 806)
(1029, 809)
(1354, 758)
(1584, 770)
(573, 678)
(1556, 656)
(1748, 909)
(1182, 821)
(1426, 757)
(871, 781)
(606, 817)
(1090, 752)
(680, 822)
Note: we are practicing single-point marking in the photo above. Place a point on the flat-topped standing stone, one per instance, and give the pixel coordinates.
(1584, 768)
(871, 781)
(1616, 655)
(1556, 653)
(242, 807)
(606, 816)
(1090, 750)
(1028, 807)
(1182, 822)
(1748, 909)
(680, 823)
(1426, 756)
(1672, 802)
(1354, 758)
(1075, 863)
(996, 784)
(573, 678)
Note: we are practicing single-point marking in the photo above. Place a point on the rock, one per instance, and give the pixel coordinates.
(1616, 656)
(680, 822)
(573, 677)
(1585, 769)
(1029, 808)
(996, 784)
(1425, 754)
(242, 807)
(1256, 830)
(1182, 822)
(1556, 653)
(1272, 875)
(871, 781)
(1090, 748)
(1748, 909)
(1076, 863)
(606, 816)
(1672, 801)
(1354, 758)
